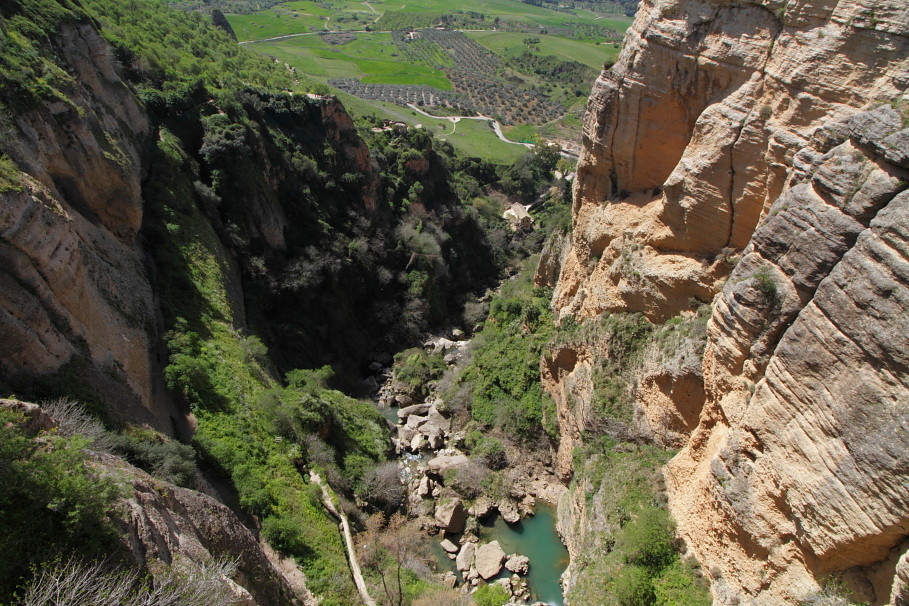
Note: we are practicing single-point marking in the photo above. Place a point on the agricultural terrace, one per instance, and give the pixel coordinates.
(529, 67)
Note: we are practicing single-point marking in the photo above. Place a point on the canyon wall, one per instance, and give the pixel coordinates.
(754, 155)
(76, 303)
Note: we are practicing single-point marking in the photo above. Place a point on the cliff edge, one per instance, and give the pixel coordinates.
(754, 154)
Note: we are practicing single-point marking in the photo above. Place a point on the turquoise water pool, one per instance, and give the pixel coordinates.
(536, 538)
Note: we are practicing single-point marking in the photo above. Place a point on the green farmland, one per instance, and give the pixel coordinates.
(529, 66)
(371, 58)
(511, 44)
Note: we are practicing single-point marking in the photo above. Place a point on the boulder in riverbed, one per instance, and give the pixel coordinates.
(482, 507)
(450, 547)
(450, 515)
(517, 564)
(489, 559)
(417, 443)
(466, 556)
(443, 463)
(509, 511)
(436, 419)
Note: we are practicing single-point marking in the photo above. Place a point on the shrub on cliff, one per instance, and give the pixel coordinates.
(51, 501)
(491, 595)
(647, 540)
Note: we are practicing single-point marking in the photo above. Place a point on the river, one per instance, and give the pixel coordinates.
(534, 537)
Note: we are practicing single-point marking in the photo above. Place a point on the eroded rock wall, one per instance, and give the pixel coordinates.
(689, 138)
(76, 303)
(754, 154)
(798, 468)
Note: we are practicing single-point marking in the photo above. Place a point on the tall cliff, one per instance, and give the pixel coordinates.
(180, 234)
(77, 306)
(754, 155)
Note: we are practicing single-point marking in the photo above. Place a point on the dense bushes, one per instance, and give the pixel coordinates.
(504, 370)
(491, 595)
(51, 501)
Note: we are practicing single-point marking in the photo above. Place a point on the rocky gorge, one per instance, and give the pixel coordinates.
(731, 309)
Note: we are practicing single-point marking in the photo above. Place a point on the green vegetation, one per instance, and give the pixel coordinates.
(240, 408)
(28, 73)
(371, 58)
(765, 283)
(503, 375)
(491, 595)
(10, 177)
(157, 454)
(289, 18)
(634, 562)
(52, 501)
(172, 55)
(511, 45)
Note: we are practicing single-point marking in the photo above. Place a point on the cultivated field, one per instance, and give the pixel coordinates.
(530, 67)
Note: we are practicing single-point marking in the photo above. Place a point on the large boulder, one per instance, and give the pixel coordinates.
(517, 563)
(489, 559)
(451, 515)
(482, 507)
(437, 420)
(509, 511)
(466, 556)
(440, 465)
(415, 421)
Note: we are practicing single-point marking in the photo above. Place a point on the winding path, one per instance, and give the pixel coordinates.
(348, 540)
(455, 119)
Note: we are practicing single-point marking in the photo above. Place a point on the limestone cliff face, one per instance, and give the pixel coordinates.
(757, 151)
(76, 302)
(688, 139)
(798, 467)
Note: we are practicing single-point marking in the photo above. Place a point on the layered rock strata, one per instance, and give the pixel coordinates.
(798, 467)
(756, 152)
(689, 138)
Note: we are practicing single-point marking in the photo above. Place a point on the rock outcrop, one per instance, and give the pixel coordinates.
(756, 152)
(689, 138)
(76, 302)
(162, 523)
(799, 454)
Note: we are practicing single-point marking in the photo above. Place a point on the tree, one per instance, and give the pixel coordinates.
(391, 548)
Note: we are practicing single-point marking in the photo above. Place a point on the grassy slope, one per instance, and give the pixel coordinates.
(371, 57)
(292, 18)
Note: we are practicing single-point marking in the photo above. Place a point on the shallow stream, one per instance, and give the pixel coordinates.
(535, 537)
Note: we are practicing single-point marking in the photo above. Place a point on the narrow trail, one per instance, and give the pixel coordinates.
(454, 119)
(326, 31)
(348, 540)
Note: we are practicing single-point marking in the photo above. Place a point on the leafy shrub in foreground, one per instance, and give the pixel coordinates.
(51, 501)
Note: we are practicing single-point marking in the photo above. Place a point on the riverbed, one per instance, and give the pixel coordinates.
(535, 537)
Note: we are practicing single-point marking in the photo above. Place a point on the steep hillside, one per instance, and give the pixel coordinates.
(183, 226)
(753, 155)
